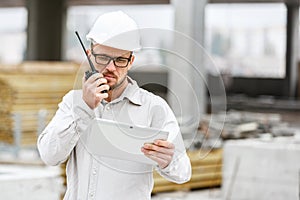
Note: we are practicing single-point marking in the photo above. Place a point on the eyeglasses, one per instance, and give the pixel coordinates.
(103, 59)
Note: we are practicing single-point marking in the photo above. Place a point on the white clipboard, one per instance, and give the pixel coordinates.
(120, 140)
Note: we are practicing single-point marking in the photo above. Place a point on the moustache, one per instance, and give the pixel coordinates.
(109, 74)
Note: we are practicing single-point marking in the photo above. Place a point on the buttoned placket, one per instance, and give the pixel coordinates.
(107, 112)
(103, 111)
(93, 179)
(94, 172)
(94, 169)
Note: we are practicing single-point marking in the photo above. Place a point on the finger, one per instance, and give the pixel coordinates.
(161, 153)
(94, 77)
(161, 162)
(102, 88)
(164, 143)
(101, 96)
(153, 147)
(162, 156)
(165, 157)
(99, 81)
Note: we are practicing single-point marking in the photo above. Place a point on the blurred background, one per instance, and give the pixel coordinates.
(228, 68)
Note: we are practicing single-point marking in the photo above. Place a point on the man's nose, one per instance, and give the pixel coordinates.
(111, 66)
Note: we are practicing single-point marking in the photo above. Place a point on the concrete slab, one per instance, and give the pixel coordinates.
(261, 169)
(28, 182)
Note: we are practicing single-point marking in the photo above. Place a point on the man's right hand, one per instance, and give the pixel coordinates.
(92, 88)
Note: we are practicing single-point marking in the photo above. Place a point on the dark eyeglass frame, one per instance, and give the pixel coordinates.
(114, 59)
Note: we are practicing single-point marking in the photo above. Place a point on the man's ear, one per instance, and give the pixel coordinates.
(131, 61)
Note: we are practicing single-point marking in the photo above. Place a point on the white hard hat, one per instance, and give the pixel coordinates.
(115, 29)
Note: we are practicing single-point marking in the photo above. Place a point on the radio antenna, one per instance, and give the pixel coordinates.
(90, 62)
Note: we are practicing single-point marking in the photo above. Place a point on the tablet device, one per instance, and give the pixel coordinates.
(121, 140)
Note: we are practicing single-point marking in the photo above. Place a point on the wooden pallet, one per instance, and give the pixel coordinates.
(206, 172)
(28, 88)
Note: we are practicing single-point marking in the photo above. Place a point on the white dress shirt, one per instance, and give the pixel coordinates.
(94, 177)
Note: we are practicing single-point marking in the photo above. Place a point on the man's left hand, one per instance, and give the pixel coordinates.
(161, 151)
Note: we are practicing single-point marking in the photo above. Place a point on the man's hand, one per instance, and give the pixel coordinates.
(91, 90)
(161, 151)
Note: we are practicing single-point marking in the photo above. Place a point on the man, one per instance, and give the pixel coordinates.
(93, 177)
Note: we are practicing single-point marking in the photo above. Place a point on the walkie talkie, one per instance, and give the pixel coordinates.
(88, 74)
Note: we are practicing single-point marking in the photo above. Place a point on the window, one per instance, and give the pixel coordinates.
(13, 34)
(247, 40)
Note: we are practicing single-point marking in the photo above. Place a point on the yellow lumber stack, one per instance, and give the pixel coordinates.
(28, 88)
(206, 172)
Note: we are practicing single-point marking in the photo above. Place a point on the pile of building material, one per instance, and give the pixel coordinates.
(206, 172)
(30, 90)
(238, 125)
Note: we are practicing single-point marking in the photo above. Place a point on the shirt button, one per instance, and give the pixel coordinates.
(91, 194)
(107, 107)
(94, 172)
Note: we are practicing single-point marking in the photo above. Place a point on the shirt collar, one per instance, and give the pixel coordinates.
(131, 92)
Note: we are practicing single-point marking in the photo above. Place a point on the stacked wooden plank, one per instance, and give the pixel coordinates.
(206, 172)
(28, 88)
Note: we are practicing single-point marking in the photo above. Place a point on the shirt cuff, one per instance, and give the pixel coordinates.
(171, 167)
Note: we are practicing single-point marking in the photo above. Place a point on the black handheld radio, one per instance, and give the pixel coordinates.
(94, 71)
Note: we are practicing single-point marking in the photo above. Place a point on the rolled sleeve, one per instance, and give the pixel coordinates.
(179, 169)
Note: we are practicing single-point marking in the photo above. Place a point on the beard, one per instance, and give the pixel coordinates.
(119, 83)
